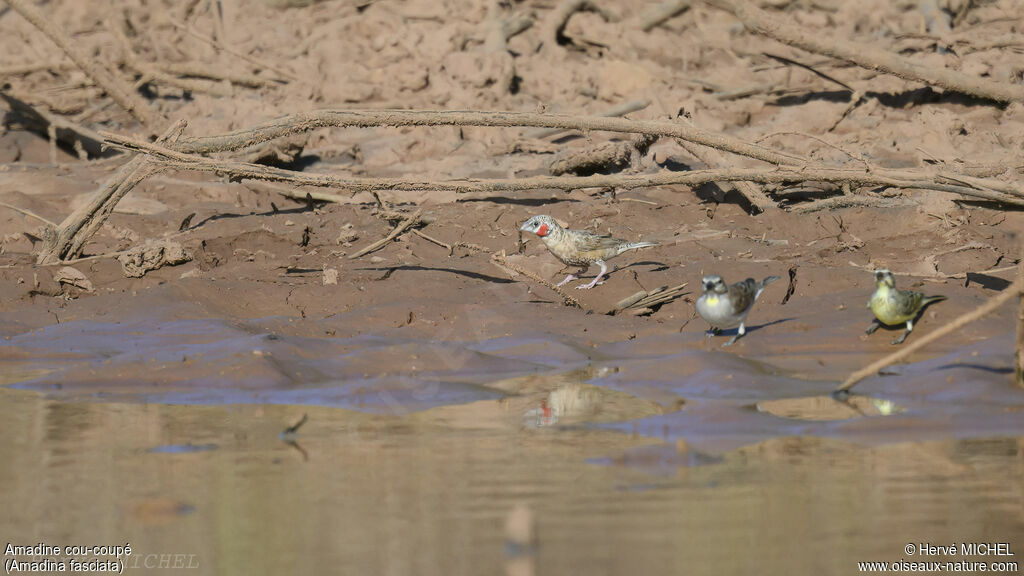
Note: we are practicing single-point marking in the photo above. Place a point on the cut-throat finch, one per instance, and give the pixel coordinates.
(579, 247)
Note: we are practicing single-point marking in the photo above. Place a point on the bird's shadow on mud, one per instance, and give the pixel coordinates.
(750, 329)
(388, 271)
(982, 367)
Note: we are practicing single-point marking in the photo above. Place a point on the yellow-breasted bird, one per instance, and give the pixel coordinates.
(727, 307)
(893, 307)
(579, 247)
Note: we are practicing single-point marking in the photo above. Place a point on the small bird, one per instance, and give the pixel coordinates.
(579, 247)
(727, 306)
(893, 307)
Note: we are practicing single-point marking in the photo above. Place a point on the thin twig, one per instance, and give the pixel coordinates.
(434, 240)
(867, 56)
(28, 213)
(200, 70)
(150, 73)
(243, 56)
(402, 226)
(1013, 291)
(119, 93)
(501, 261)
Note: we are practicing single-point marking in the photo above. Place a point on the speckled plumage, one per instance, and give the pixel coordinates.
(579, 247)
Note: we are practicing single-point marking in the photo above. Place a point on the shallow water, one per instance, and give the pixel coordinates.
(519, 454)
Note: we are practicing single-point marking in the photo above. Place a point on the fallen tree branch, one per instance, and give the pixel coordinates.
(712, 158)
(1013, 291)
(306, 121)
(66, 240)
(855, 177)
(866, 55)
(620, 110)
(113, 87)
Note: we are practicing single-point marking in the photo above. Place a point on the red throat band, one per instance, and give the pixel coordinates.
(543, 230)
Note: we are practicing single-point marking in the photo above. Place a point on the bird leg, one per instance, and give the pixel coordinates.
(874, 326)
(714, 332)
(604, 270)
(739, 334)
(910, 328)
(568, 279)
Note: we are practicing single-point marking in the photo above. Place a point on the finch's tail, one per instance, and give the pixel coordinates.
(635, 245)
(762, 284)
(931, 300)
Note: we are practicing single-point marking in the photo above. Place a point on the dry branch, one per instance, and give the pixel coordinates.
(66, 241)
(713, 159)
(601, 157)
(854, 177)
(644, 301)
(119, 93)
(867, 56)
(620, 110)
(200, 70)
(306, 121)
(1015, 290)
